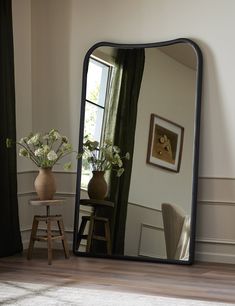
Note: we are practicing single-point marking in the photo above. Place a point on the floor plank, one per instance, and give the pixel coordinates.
(204, 281)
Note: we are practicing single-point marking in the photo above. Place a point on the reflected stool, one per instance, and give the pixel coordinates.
(94, 219)
(49, 237)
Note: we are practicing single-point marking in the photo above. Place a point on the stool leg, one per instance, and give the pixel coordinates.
(32, 237)
(81, 231)
(90, 235)
(108, 237)
(49, 241)
(64, 241)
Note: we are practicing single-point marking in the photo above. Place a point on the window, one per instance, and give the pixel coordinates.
(97, 92)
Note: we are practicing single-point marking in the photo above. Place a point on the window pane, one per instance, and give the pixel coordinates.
(93, 121)
(96, 92)
(97, 79)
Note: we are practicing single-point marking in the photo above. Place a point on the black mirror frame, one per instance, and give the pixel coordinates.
(195, 157)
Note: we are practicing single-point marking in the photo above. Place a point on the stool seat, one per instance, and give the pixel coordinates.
(49, 237)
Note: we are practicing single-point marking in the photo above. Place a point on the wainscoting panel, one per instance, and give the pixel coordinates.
(216, 189)
(214, 221)
(144, 227)
(215, 239)
(152, 241)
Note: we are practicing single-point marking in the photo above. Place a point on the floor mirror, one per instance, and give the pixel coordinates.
(140, 110)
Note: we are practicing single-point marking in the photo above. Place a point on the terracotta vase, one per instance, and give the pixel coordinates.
(45, 184)
(97, 186)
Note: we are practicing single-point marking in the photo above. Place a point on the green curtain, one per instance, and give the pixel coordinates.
(131, 62)
(10, 239)
(120, 128)
(110, 122)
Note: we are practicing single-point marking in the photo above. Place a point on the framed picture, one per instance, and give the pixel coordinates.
(165, 143)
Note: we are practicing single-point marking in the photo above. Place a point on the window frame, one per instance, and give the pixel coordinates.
(108, 85)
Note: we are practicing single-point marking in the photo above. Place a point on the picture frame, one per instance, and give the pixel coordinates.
(165, 143)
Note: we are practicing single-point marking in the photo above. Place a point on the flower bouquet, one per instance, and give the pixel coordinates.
(44, 150)
(102, 158)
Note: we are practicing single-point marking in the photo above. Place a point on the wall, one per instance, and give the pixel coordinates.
(151, 186)
(23, 80)
(210, 23)
(155, 185)
(43, 99)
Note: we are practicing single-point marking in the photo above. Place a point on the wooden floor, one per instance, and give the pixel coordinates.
(204, 281)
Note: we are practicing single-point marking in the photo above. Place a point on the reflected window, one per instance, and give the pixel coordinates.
(97, 95)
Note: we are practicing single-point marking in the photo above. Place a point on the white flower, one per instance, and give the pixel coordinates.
(117, 160)
(23, 152)
(57, 135)
(54, 134)
(39, 152)
(34, 139)
(116, 149)
(52, 155)
(127, 156)
(46, 149)
(24, 139)
(120, 172)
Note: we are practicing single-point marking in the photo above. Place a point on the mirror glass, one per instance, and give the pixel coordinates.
(141, 104)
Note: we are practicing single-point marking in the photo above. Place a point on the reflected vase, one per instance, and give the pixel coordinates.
(45, 184)
(97, 187)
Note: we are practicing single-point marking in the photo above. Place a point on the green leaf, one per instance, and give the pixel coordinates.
(79, 155)
(9, 143)
(67, 166)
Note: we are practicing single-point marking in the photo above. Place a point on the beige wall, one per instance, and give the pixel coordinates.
(23, 80)
(62, 31)
(151, 186)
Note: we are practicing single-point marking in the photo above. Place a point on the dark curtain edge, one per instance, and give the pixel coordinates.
(10, 233)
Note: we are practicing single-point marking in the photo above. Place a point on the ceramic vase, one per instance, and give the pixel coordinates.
(45, 184)
(97, 186)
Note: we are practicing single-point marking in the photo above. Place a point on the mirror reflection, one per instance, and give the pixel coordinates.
(139, 130)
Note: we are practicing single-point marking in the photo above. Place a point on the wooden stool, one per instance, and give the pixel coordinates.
(93, 219)
(49, 237)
